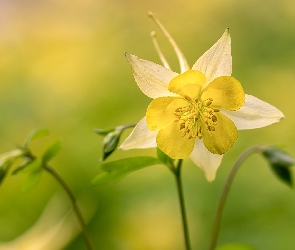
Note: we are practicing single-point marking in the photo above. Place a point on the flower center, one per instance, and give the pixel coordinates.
(196, 113)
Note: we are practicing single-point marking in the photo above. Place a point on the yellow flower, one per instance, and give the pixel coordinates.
(196, 113)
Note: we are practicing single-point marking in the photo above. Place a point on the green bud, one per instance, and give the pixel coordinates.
(280, 162)
(101, 131)
(110, 142)
(112, 138)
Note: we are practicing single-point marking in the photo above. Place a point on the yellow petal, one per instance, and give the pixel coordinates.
(171, 142)
(226, 92)
(224, 136)
(160, 112)
(188, 83)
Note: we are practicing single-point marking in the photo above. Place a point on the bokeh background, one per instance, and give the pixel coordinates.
(62, 67)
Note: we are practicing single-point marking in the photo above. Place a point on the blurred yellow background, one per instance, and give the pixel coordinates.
(62, 67)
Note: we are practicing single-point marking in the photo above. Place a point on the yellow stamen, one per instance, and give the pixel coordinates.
(196, 113)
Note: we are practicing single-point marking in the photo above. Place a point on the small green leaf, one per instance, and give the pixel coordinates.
(129, 164)
(280, 162)
(165, 159)
(113, 171)
(34, 135)
(2, 174)
(31, 181)
(105, 177)
(51, 151)
(235, 246)
(24, 164)
(30, 166)
(4, 169)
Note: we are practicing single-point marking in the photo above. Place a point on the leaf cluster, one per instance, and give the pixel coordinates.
(30, 165)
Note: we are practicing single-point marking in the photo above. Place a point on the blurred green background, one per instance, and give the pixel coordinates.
(62, 67)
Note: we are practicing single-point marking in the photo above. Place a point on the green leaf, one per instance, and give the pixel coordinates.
(51, 151)
(114, 171)
(30, 166)
(105, 177)
(31, 181)
(280, 162)
(165, 159)
(235, 246)
(2, 174)
(129, 164)
(34, 135)
(6, 161)
(24, 164)
(4, 169)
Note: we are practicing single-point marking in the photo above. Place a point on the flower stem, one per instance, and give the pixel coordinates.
(177, 173)
(225, 191)
(74, 204)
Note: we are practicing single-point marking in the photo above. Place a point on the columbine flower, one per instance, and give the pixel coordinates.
(196, 113)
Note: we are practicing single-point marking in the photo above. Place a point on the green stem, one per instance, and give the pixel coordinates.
(225, 191)
(177, 173)
(72, 199)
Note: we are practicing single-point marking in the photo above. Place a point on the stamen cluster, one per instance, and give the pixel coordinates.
(193, 115)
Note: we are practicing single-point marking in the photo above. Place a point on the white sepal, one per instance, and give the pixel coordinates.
(152, 79)
(255, 113)
(140, 137)
(205, 160)
(216, 61)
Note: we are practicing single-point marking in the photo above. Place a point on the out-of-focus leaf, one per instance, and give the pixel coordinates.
(129, 164)
(280, 162)
(165, 159)
(6, 161)
(32, 166)
(113, 171)
(2, 174)
(34, 135)
(23, 165)
(105, 177)
(4, 169)
(10, 156)
(51, 151)
(235, 246)
(31, 181)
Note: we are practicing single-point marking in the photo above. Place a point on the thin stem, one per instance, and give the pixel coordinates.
(74, 204)
(177, 173)
(225, 191)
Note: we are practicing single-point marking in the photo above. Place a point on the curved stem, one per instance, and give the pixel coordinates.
(72, 199)
(177, 173)
(225, 191)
